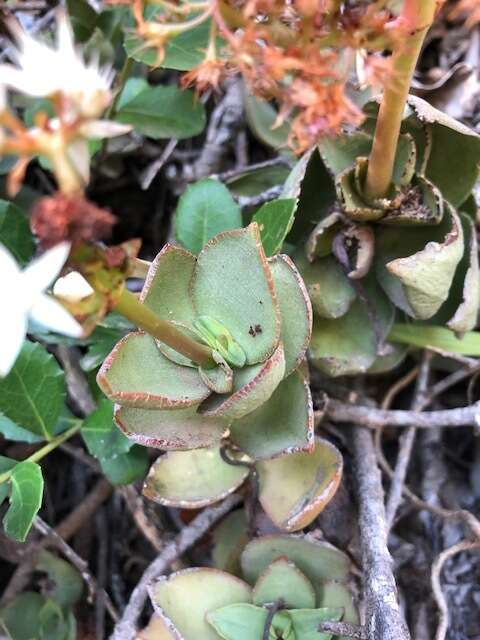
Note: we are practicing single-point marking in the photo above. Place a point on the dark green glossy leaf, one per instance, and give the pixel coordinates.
(32, 394)
(15, 232)
(275, 219)
(101, 436)
(126, 468)
(164, 112)
(261, 117)
(205, 209)
(25, 499)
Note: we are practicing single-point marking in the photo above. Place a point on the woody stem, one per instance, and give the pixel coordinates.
(144, 318)
(418, 15)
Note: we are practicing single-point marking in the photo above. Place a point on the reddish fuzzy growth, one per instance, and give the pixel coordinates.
(207, 75)
(73, 218)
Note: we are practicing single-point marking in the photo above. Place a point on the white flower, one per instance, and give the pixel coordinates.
(44, 71)
(72, 287)
(22, 295)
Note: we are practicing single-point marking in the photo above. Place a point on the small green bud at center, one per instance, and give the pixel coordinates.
(220, 339)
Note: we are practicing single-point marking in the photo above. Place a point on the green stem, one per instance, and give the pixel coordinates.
(122, 79)
(41, 453)
(418, 15)
(144, 318)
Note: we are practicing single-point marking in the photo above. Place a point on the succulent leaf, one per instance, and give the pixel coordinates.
(137, 374)
(282, 580)
(219, 379)
(460, 310)
(239, 621)
(166, 288)
(229, 540)
(305, 622)
(181, 429)
(349, 345)
(336, 595)
(192, 479)
(283, 424)
(331, 292)
(450, 139)
(252, 386)
(416, 268)
(295, 310)
(318, 561)
(233, 284)
(295, 488)
(185, 598)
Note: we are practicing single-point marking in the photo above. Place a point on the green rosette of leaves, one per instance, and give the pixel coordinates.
(255, 315)
(412, 255)
(290, 585)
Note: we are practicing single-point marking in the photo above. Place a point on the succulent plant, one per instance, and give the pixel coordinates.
(255, 315)
(291, 584)
(410, 255)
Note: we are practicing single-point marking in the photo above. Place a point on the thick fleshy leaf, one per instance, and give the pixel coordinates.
(450, 139)
(186, 597)
(137, 374)
(192, 479)
(330, 291)
(232, 283)
(166, 289)
(156, 629)
(205, 209)
(319, 242)
(295, 488)
(416, 268)
(393, 356)
(334, 594)
(252, 387)
(219, 379)
(229, 540)
(239, 621)
(282, 580)
(349, 345)
(283, 424)
(305, 622)
(170, 430)
(319, 561)
(341, 152)
(460, 310)
(295, 310)
(348, 194)
(423, 205)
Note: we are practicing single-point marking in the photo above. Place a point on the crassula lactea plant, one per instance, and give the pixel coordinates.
(288, 586)
(236, 389)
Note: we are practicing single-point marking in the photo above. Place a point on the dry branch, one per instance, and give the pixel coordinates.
(384, 620)
(126, 628)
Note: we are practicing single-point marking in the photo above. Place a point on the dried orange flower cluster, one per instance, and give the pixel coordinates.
(300, 53)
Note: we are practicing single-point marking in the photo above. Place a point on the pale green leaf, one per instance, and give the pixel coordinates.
(25, 499)
(424, 336)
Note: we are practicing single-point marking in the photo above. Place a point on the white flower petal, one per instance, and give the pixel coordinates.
(79, 156)
(41, 272)
(52, 315)
(13, 327)
(8, 266)
(72, 287)
(98, 129)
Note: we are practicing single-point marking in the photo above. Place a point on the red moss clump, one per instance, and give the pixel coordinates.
(69, 218)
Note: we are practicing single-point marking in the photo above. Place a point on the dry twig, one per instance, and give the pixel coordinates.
(464, 545)
(126, 628)
(384, 620)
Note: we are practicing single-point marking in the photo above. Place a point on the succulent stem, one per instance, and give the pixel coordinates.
(144, 318)
(417, 16)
